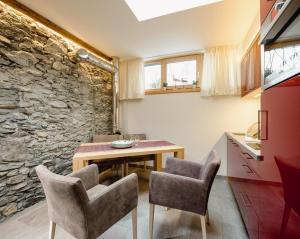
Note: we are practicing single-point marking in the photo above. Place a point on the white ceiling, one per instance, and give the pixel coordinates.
(110, 25)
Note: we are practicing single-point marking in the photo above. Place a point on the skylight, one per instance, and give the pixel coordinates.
(147, 9)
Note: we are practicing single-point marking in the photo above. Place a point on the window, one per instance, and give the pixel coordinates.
(145, 9)
(152, 76)
(181, 73)
(172, 75)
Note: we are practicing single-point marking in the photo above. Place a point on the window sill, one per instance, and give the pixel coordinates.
(171, 90)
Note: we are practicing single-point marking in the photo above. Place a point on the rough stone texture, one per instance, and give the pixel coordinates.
(49, 104)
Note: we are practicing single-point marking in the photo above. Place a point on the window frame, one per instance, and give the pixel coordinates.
(179, 88)
(153, 63)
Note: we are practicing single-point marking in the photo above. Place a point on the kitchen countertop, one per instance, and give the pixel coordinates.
(239, 138)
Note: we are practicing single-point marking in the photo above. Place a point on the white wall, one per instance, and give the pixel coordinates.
(251, 34)
(191, 121)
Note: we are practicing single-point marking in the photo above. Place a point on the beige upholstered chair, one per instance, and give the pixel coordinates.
(138, 159)
(185, 186)
(106, 167)
(84, 208)
(135, 136)
(106, 138)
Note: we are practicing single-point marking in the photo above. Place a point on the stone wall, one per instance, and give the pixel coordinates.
(49, 104)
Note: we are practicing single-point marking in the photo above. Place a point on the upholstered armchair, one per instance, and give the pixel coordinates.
(185, 186)
(83, 207)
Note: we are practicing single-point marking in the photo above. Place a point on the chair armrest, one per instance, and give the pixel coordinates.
(89, 176)
(112, 204)
(183, 168)
(178, 192)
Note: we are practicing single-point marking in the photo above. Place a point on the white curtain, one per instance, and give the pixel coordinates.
(221, 71)
(132, 79)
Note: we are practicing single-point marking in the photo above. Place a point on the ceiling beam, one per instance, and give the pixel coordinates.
(39, 18)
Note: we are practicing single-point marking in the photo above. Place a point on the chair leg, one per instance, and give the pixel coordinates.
(285, 219)
(134, 223)
(125, 169)
(207, 217)
(52, 227)
(203, 225)
(122, 170)
(151, 219)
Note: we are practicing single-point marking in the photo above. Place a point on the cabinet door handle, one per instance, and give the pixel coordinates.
(260, 113)
(249, 170)
(246, 200)
(245, 156)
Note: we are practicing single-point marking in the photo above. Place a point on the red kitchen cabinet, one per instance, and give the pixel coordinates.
(237, 165)
(245, 205)
(251, 68)
(281, 107)
(265, 7)
(260, 195)
(260, 200)
(280, 124)
(240, 175)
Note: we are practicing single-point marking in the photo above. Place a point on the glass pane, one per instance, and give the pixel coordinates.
(280, 60)
(181, 73)
(152, 77)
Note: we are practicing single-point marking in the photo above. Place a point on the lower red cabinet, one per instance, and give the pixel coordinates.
(246, 208)
(238, 167)
(260, 202)
(240, 174)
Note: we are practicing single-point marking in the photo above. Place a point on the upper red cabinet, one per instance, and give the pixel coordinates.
(265, 7)
(251, 68)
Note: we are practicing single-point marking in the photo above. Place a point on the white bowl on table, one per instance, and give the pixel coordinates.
(122, 144)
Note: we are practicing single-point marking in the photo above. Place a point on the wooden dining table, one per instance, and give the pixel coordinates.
(88, 153)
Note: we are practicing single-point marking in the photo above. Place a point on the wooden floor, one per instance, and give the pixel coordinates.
(225, 221)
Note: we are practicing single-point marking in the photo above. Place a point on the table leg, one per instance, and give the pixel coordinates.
(79, 164)
(75, 165)
(179, 154)
(158, 162)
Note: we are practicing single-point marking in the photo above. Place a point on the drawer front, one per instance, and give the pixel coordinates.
(237, 166)
(249, 216)
(260, 201)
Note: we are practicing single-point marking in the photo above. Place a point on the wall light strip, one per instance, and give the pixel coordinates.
(47, 23)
